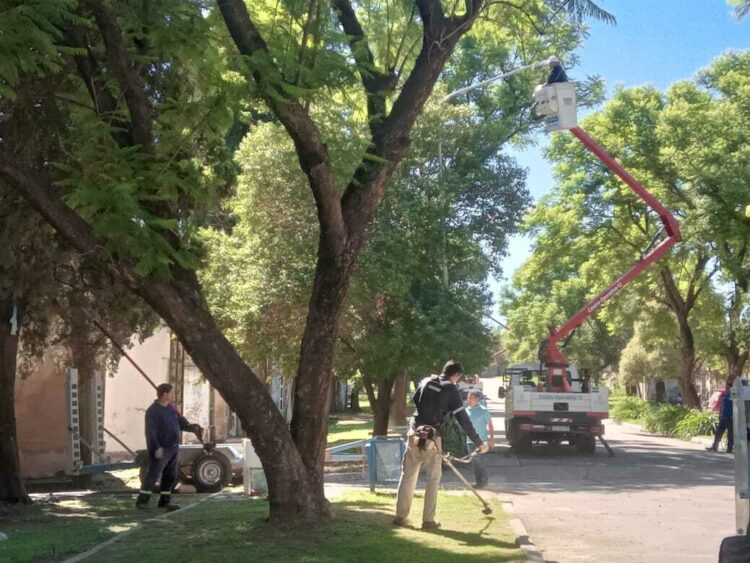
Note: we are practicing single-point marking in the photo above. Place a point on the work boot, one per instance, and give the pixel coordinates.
(482, 485)
(142, 500)
(164, 503)
(711, 449)
(398, 521)
(430, 525)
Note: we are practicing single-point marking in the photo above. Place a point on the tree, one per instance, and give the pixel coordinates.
(741, 8)
(152, 91)
(714, 177)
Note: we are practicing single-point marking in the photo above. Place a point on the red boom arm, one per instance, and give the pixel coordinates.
(549, 354)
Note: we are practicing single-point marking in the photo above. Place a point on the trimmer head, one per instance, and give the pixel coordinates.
(487, 510)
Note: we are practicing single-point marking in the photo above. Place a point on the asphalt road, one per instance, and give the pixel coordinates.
(658, 500)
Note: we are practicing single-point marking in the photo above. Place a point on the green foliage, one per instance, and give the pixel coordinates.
(32, 39)
(741, 8)
(663, 419)
(629, 409)
(695, 423)
(669, 420)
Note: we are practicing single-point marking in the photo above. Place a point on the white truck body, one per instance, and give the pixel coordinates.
(532, 414)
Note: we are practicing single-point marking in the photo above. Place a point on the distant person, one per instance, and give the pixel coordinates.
(481, 420)
(163, 427)
(436, 396)
(725, 422)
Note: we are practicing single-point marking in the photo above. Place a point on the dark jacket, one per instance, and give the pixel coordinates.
(163, 427)
(436, 397)
(726, 407)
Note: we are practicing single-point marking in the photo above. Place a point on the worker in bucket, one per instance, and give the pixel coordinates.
(481, 420)
(436, 396)
(163, 427)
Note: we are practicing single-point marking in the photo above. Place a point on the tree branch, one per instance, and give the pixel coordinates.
(376, 83)
(131, 83)
(391, 137)
(311, 150)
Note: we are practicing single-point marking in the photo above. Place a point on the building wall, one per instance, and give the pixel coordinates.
(127, 394)
(42, 422)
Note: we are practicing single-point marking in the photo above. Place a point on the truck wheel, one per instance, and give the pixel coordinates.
(735, 549)
(211, 472)
(586, 444)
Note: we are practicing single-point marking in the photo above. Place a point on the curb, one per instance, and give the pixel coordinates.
(523, 539)
(705, 440)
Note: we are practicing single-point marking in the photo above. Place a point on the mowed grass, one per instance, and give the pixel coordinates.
(361, 530)
(57, 529)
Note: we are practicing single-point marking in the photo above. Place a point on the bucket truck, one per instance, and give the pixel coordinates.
(548, 401)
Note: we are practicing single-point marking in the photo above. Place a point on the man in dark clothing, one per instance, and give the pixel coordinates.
(163, 427)
(435, 397)
(725, 422)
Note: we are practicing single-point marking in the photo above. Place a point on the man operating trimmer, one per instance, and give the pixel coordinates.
(436, 397)
(163, 427)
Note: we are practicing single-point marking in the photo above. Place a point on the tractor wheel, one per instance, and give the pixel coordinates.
(211, 472)
(586, 444)
(735, 549)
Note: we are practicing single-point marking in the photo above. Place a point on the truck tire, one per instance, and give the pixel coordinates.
(210, 472)
(586, 444)
(735, 549)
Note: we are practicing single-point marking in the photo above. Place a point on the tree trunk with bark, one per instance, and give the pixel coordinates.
(398, 400)
(354, 400)
(380, 404)
(681, 307)
(12, 488)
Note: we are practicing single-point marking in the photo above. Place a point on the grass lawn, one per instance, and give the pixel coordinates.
(57, 529)
(349, 428)
(235, 530)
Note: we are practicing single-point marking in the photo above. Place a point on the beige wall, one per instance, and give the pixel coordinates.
(127, 394)
(42, 422)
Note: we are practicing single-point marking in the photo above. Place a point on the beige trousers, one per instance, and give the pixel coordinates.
(413, 460)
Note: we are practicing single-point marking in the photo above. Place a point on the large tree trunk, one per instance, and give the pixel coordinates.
(736, 361)
(398, 400)
(681, 307)
(687, 365)
(12, 488)
(292, 493)
(354, 400)
(380, 403)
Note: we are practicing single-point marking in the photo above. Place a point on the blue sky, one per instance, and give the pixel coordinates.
(656, 42)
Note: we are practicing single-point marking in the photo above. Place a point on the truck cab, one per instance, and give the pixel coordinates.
(537, 410)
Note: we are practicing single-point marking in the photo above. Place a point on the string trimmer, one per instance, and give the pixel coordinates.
(449, 459)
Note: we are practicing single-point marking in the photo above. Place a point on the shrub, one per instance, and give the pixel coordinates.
(695, 423)
(629, 408)
(663, 419)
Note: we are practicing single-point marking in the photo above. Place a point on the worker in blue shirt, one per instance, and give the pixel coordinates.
(725, 422)
(481, 420)
(164, 425)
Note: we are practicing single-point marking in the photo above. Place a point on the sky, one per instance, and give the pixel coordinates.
(655, 42)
